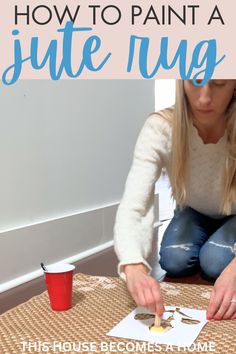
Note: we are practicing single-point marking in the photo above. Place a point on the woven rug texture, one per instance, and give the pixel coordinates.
(99, 303)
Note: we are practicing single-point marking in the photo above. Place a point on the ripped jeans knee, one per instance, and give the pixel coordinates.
(193, 240)
(214, 257)
(179, 260)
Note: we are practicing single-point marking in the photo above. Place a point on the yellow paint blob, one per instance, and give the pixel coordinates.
(157, 329)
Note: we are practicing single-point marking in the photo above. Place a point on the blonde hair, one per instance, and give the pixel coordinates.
(229, 190)
(178, 116)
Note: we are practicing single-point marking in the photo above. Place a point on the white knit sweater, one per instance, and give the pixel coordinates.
(134, 221)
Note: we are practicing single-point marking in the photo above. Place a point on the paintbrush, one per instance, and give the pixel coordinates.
(157, 322)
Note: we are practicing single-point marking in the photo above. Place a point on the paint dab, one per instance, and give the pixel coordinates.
(157, 329)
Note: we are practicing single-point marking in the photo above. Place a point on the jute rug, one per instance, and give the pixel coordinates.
(98, 304)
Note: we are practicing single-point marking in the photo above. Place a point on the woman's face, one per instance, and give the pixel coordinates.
(209, 103)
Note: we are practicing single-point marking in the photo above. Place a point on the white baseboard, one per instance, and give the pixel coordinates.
(69, 238)
(37, 273)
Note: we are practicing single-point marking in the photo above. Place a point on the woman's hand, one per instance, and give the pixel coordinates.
(144, 289)
(221, 305)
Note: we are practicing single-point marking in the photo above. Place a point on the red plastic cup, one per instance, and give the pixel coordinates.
(59, 280)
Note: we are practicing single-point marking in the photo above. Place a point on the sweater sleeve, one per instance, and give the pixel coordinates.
(133, 228)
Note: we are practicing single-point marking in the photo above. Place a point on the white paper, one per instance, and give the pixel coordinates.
(181, 334)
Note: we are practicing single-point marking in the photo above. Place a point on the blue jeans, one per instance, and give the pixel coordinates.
(193, 242)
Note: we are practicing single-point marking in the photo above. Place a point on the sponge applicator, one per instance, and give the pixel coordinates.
(157, 328)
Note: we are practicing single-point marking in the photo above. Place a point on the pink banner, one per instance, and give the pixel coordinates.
(117, 39)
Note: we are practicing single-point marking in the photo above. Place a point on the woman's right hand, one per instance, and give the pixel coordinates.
(144, 289)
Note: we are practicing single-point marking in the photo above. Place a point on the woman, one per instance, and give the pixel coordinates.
(196, 143)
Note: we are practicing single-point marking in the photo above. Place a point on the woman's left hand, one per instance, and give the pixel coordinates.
(221, 306)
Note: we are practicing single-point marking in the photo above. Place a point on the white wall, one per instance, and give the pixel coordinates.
(65, 148)
(164, 93)
(164, 97)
